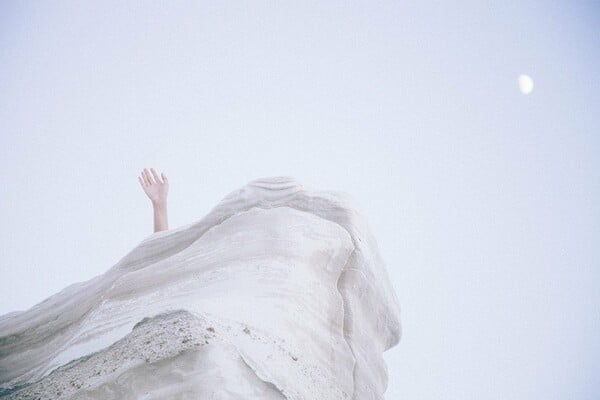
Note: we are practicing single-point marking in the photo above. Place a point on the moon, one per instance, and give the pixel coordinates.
(525, 84)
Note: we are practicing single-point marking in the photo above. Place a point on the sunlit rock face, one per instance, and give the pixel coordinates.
(278, 293)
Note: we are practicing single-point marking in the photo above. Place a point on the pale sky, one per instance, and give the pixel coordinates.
(484, 201)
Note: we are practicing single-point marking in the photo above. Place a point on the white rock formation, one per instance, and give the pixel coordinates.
(278, 293)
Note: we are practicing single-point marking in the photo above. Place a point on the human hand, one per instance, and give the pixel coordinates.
(155, 188)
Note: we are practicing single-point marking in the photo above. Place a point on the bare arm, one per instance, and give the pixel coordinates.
(157, 191)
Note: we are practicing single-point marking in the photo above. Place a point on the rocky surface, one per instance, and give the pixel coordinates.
(278, 293)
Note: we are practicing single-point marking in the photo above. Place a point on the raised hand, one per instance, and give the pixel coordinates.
(157, 191)
(155, 188)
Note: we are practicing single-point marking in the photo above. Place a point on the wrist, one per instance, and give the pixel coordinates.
(159, 203)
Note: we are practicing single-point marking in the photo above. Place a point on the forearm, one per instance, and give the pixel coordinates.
(161, 222)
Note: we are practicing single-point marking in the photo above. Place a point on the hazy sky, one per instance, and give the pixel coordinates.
(485, 201)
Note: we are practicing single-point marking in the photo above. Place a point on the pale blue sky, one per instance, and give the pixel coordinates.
(484, 201)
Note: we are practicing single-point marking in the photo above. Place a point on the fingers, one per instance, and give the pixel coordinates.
(156, 178)
(146, 177)
(142, 179)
